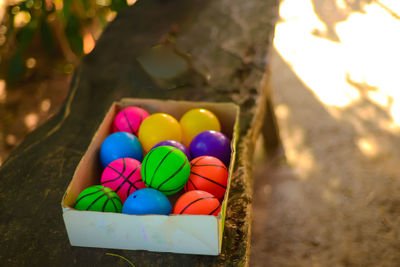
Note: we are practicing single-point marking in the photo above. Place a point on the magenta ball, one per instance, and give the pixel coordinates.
(176, 144)
(211, 143)
(129, 120)
(123, 177)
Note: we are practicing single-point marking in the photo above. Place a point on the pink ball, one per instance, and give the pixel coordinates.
(123, 177)
(129, 120)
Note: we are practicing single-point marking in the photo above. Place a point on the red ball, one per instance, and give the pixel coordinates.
(209, 174)
(123, 177)
(197, 202)
(129, 120)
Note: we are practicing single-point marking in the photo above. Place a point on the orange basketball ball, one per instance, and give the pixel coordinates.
(209, 174)
(197, 202)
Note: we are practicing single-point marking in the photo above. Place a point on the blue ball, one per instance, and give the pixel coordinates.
(120, 145)
(147, 201)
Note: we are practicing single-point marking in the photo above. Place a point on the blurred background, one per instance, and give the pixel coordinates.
(336, 89)
(41, 42)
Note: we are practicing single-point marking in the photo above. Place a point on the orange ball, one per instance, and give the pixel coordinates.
(197, 202)
(209, 174)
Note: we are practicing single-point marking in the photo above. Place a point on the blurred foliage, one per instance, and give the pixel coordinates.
(59, 28)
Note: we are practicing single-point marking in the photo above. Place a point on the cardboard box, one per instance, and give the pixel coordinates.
(192, 234)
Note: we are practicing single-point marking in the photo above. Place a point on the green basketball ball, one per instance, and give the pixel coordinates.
(98, 198)
(166, 169)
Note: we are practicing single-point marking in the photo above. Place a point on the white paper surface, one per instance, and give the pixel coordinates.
(192, 234)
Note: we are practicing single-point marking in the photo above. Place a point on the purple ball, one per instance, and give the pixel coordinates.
(176, 144)
(211, 143)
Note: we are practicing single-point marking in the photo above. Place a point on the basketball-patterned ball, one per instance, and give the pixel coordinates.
(208, 174)
(197, 202)
(166, 169)
(98, 198)
(129, 120)
(123, 177)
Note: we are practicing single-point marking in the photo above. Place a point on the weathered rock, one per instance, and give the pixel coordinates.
(225, 46)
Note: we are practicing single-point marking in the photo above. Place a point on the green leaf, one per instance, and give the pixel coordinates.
(86, 4)
(25, 35)
(16, 68)
(46, 35)
(66, 9)
(22, 6)
(74, 36)
(118, 5)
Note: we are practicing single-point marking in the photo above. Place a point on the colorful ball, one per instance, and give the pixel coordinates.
(166, 169)
(196, 121)
(197, 202)
(159, 127)
(147, 201)
(120, 145)
(98, 198)
(208, 174)
(176, 144)
(123, 177)
(211, 143)
(129, 120)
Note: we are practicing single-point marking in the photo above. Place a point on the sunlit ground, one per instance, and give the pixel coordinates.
(347, 53)
(335, 83)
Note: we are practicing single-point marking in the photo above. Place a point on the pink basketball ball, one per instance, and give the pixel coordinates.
(129, 120)
(123, 177)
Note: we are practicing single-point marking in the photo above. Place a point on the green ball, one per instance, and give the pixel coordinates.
(98, 198)
(166, 169)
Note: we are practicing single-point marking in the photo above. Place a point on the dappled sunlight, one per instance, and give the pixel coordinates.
(131, 2)
(31, 121)
(111, 16)
(346, 54)
(334, 182)
(21, 19)
(11, 140)
(315, 60)
(45, 105)
(332, 53)
(88, 43)
(3, 92)
(368, 146)
(30, 63)
(282, 111)
(329, 197)
(298, 155)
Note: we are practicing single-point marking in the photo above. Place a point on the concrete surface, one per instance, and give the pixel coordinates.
(335, 200)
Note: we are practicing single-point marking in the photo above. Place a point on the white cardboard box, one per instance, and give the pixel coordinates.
(192, 234)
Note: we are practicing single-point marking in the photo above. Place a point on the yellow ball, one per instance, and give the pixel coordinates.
(196, 121)
(159, 127)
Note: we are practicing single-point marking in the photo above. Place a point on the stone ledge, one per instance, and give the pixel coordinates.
(227, 43)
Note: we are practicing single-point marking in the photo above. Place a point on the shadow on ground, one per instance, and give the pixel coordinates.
(335, 201)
